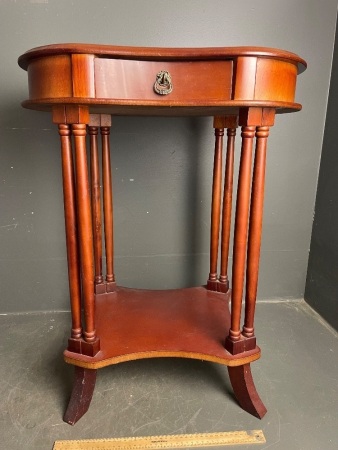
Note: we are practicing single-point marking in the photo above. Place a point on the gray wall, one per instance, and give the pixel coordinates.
(322, 277)
(162, 216)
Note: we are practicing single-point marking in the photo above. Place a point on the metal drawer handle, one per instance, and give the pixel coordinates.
(163, 84)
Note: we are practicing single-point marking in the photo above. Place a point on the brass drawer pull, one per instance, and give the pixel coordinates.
(163, 84)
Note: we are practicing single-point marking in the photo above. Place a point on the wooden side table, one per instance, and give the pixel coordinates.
(82, 86)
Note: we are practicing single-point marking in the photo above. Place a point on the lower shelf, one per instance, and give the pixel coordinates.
(187, 323)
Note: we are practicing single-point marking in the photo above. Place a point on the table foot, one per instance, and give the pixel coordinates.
(245, 390)
(82, 393)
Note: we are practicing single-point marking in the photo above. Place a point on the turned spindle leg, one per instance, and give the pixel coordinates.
(240, 236)
(85, 230)
(96, 204)
(231, 124)
(255, 230)
(216, 209)
(71, 231)
(108, 208)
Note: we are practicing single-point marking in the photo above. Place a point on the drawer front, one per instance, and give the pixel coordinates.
(202, 82)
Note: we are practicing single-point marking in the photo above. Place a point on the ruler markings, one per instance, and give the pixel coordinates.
(166, 442)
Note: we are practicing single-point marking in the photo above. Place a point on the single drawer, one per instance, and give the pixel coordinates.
(201, 82)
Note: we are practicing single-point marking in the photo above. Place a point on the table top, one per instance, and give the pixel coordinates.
(159, 53)
(122, 80)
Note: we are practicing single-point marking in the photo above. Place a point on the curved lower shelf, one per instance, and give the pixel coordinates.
(186, 323)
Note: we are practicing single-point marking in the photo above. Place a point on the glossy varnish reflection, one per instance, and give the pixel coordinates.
(83, 85)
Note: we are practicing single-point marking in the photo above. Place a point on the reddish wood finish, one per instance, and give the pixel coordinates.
(255, 230)
(71, 229)
(238, 343)
(83, 76)
(82, 393)
(231, 125)
(70, 114)
(135, 323)
(241, 230)
(107, 204)
(275, 80)
(134, 80)
(205, 80)
(214, 283)
(57, 77)
(245, 391)
(159, 53)
(240, 84)
(245, 80)
(216, 209)
(96, 202)
(85, 230)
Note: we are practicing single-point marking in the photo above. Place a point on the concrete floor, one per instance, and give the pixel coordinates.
(296, 378)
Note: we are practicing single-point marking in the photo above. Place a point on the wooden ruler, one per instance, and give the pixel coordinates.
(168, 441)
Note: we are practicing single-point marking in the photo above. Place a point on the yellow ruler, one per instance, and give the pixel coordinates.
(168, 441)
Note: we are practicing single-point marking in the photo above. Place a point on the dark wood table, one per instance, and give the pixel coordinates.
(82, 86)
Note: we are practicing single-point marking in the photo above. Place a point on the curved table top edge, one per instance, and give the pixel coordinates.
(159, 53)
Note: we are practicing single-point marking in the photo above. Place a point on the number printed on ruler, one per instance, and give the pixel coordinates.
(166, 442)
